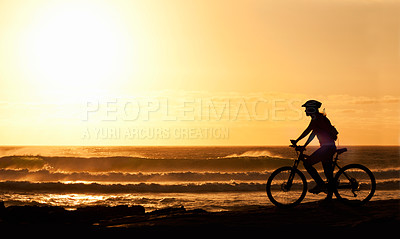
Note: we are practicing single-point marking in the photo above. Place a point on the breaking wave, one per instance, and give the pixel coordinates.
(166, 169)
(138, 164)
(44, 175)
(58, 187)
(256, 153)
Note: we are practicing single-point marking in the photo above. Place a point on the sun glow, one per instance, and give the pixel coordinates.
(157, 65)
(74, 47)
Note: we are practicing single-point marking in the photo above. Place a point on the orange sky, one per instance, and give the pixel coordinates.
(196, 72)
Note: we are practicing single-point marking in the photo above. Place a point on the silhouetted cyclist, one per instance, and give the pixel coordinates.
(321, 127)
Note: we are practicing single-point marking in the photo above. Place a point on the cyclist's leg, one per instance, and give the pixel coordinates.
(327, 162)
(308, 165)
(328, 169)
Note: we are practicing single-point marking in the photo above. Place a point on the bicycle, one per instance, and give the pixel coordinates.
(353, 184)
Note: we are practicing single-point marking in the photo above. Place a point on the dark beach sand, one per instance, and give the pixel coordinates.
(335, 217)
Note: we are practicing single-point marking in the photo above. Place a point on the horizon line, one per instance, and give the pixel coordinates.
(236, 145)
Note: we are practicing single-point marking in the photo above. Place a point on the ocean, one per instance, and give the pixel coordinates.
(207, 177)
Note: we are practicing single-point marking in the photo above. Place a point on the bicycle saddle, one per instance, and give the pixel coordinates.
(340, 151)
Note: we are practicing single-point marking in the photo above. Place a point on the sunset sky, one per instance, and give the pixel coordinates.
(203, 72)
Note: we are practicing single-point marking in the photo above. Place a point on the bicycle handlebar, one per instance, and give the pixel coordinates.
(297, 147)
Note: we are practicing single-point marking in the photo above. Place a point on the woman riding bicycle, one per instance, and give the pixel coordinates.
(321, 127)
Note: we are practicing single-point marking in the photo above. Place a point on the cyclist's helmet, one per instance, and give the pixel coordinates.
(312, 104)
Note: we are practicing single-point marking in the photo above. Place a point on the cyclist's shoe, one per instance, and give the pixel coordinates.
(319, 188)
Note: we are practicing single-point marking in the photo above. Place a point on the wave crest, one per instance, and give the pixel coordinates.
(150, 187)
(137, 164)
(255, 154)
(127, 177)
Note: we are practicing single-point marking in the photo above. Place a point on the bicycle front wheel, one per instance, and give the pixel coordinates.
(355, 184)
(286, 187)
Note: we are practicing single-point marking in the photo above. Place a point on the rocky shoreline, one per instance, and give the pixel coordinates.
(333, 216)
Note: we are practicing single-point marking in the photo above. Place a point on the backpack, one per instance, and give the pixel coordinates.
(333, 132)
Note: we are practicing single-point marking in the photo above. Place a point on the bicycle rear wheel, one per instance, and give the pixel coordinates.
(286, 187)
(355, 184)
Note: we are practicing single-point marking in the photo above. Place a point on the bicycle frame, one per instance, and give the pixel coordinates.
(295, 165)
(301, 156)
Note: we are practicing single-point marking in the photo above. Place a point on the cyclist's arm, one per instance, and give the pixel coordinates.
(305, 133)
(312, 135)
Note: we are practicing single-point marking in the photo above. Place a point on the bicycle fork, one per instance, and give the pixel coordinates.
(291, 176)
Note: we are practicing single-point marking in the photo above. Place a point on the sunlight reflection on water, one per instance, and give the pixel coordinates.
(151, 201)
